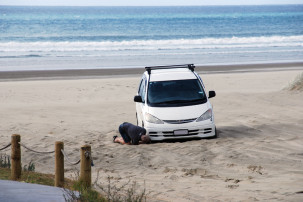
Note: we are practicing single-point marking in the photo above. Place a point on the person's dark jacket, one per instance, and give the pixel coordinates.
(134, 132)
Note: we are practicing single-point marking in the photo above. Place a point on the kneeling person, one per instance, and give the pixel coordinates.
(132, 134)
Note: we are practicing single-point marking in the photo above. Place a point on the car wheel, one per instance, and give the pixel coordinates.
(216, 133)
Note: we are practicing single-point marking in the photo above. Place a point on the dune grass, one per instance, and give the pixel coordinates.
(110, 192)
(34, 177)
(296, 84)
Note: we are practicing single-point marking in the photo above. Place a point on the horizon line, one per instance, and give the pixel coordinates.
(155, 5)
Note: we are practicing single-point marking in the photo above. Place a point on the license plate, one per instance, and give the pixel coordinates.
(181, 132)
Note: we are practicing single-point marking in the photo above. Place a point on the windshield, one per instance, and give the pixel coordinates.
(175, 93)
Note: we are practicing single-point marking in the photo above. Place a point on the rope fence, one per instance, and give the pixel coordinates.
(5, 147)
(86, 160)
(66, 157)
(39, 152)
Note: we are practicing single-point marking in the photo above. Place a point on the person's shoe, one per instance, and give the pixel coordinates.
(114, 137)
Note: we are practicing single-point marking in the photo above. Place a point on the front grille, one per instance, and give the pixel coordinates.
(179, 121)
(171, 133)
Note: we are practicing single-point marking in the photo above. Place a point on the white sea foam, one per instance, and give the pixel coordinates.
(149, 45)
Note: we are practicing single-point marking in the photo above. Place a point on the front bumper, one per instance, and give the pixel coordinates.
(158, 132)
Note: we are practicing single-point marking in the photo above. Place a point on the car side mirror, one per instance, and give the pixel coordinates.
(138, 98)
(211, 94)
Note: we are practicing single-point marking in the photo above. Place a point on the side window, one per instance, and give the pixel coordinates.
(200, 80)
(144, 90)
(141, 91)
(140, 87)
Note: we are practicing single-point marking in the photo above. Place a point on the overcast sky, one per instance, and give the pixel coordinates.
(144, 2)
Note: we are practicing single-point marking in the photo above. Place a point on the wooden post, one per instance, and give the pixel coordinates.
(15, 157)
(59, 165)
(85, 172)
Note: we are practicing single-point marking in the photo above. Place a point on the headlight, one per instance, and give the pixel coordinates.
(151, 119)
(207, 115)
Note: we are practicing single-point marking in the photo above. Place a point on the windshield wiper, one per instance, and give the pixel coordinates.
(196, 100)
(170, 102)
(178, 101)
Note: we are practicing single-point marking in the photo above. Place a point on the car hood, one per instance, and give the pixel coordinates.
(179, 113)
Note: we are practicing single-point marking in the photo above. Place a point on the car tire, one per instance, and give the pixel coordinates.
(216, 134)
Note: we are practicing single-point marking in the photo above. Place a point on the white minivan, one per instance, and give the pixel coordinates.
(172, 104)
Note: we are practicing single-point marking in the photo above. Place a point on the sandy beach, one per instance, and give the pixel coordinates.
(257, 157)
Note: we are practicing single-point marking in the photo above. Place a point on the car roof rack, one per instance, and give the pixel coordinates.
(189, 66)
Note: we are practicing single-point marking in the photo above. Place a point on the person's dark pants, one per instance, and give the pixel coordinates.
(125, 137)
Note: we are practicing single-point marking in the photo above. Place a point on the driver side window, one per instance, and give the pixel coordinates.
(142, 89)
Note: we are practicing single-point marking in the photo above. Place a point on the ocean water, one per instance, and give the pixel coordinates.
(38, 38)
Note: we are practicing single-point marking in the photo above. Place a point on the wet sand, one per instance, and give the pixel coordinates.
(96, 73)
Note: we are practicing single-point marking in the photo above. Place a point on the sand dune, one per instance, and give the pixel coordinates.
(258, 155)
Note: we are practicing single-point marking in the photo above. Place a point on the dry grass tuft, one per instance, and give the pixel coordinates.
(296, 84)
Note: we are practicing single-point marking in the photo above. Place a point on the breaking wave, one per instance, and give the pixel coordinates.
(149, 45)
